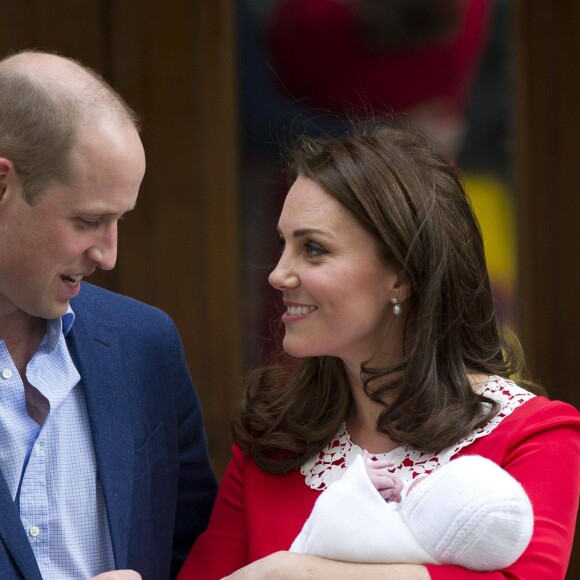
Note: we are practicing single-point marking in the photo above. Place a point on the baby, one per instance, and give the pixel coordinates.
(469, 512)
(390, 486)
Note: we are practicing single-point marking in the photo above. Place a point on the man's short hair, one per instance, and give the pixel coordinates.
(40, 116)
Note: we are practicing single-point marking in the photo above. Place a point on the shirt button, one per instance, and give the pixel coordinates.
(34, 531)
(37, 448)
(6, 373)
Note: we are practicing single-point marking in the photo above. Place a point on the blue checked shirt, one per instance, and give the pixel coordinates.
(51, 470)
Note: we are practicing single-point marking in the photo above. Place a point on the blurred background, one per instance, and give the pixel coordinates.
(222, 85)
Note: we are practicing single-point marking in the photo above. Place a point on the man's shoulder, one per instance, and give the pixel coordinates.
(113, 307)
(143, 331)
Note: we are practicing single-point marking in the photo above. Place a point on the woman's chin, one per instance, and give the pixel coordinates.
(296, 350)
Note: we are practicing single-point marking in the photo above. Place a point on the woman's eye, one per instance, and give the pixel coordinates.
(281, 242)
(313, 249)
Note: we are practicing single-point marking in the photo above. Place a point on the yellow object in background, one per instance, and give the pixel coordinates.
(493, 204)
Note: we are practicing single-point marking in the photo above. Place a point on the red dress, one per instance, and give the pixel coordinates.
(537, 442)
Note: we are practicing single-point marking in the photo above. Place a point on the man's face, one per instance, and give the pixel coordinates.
(47, 248)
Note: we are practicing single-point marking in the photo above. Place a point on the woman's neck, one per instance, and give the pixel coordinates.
(361, 422)
(363, 432)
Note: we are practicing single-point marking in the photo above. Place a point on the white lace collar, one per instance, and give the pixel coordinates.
(328, 465)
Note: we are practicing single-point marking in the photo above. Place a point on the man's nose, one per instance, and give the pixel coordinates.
(104, 251)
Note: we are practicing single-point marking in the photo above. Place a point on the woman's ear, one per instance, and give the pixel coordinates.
(403, 286)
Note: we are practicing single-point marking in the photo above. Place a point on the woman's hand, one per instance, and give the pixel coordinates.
(118, 575)
(276, 566)
(292, 566)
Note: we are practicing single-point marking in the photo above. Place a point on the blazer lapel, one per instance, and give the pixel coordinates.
(96, 351)
(14, 537)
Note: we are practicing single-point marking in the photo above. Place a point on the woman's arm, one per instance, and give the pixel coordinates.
(539, 445)
(223, 547)
(290, 566)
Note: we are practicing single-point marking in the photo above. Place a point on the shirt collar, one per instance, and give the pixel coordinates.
(55, 326)
(67, 320)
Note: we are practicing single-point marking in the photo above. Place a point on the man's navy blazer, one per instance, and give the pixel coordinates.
(147, 431)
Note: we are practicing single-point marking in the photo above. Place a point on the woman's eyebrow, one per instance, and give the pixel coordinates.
(309, 231)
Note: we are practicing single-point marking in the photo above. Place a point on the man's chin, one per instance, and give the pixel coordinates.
(53, 311)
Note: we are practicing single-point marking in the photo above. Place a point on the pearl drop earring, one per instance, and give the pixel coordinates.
(396, 306)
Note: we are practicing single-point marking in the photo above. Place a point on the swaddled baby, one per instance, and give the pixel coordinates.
(469, 512)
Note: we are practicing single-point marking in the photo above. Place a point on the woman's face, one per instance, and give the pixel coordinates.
(336, 288)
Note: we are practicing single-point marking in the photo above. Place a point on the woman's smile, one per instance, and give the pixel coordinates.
(296, 310)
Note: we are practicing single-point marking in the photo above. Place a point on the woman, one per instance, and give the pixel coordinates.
(394, 348)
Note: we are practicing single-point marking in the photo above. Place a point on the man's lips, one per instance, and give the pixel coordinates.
(73, 279)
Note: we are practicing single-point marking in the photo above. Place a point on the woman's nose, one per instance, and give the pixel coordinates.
(283, 276)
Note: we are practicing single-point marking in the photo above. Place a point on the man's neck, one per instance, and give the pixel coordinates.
(22, 334)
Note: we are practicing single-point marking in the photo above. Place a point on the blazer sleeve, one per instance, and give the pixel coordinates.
(542, 452)
(223, 548)
(197, 486)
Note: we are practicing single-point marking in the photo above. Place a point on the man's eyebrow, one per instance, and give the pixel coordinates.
(96, 212)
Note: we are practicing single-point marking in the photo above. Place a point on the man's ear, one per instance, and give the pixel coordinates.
(8, 177)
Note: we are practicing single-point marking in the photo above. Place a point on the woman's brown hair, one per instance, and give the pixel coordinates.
(410, 199)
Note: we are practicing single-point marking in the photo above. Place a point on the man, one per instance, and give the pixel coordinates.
(103, 459)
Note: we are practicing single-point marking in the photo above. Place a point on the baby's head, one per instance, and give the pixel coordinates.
(470, 513)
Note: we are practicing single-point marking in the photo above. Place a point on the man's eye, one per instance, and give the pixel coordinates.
(94, 223)
(313, 249)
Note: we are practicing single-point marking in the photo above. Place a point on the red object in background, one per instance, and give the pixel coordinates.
(320, 54)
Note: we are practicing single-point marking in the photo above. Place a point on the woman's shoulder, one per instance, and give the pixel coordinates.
(522, 406)
(537, 415)
(520, 412)
(242, 462)
(523, 419)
